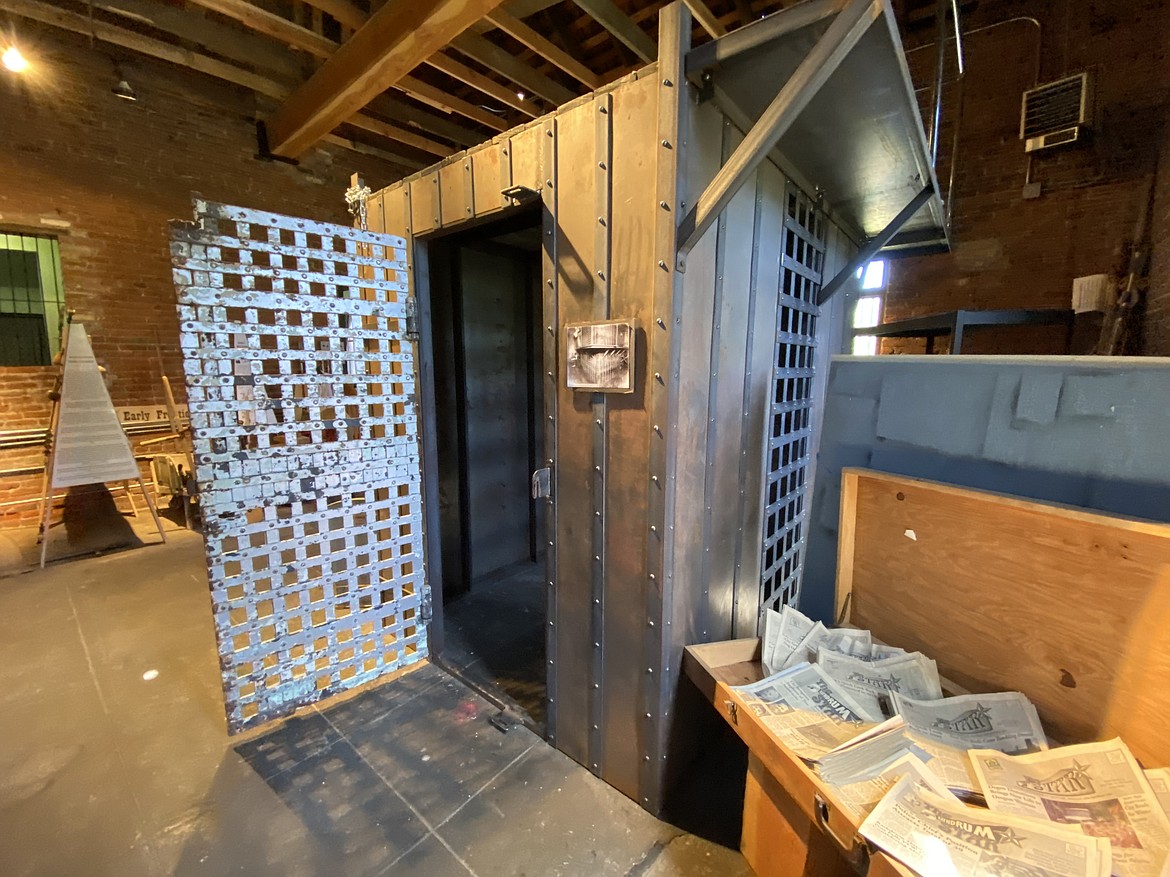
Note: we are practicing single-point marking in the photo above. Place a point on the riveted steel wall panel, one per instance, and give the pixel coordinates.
(725, 414)
(300, 380)
(424, 203)
(575, 183)
(758, 388)
(455, 191)
(627, 476)
(525, 151)
(485, 177)
(693, 375)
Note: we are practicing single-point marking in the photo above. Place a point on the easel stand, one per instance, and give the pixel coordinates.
(86, 443)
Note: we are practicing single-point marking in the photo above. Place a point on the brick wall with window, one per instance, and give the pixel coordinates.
(105, 176)
(1011, 252)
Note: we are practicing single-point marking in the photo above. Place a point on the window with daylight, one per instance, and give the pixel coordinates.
(868, 310)
(31, 299)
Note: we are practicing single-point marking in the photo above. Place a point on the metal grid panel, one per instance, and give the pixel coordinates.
(790, 425)
(300, 382)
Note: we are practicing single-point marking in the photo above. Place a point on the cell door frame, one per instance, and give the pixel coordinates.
(428, 420)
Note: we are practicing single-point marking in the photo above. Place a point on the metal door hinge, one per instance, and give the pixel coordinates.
(542, 483)
(411, 319)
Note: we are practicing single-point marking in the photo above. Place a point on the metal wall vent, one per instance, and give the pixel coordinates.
(1055, 113)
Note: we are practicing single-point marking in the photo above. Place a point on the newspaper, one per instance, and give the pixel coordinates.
(842, 639)
(862, 795)
(945, 729)
(880, 651)
(871, 683)
(1096, 786)
(1159, 780)
(783, 632)
(939, 836)
(803, 709)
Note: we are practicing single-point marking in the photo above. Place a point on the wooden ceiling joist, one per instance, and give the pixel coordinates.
(393, 132)
(220, 38)
(397, 38)
(436, 97)
(507, 65)
(704, 16)
(522, 33)
(609, 16)
(272, 25)
(457, 70)
(343, 11)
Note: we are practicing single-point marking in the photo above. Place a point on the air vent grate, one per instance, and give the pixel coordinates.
(1055, 108)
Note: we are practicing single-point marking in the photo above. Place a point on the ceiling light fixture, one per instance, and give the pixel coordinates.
(14, 60)
(521, 95)
(123, 89)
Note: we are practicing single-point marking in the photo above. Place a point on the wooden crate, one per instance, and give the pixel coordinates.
(1064, 605)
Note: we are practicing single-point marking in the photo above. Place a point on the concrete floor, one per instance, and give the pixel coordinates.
(494, 639)
(103, 772)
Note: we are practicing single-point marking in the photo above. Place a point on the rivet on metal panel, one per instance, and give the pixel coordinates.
(650, 623)
(601, 164)
(657, 429)
(666, 144)
(654, 529)
(505, 151)
(666, 206)
(661, 323)
(550, 283)
(663, 265)
(668, 83)
(658, 377)
(601, 274)
(649, 669)
(548, 183)
(601, 220)
(548, 131)
(597, 514)
(596, 602)
(598, 422)
(649, 716)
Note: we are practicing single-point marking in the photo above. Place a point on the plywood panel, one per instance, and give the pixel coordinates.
(1069, 607)
(575, 428)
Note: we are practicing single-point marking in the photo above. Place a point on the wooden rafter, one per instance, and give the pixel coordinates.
(343, 11)
(393, 132)
(153, 48)
(272, 25)
(436, 97)
(609, 16)
(521, 32)
(396, 39)
(444, 63)
(506, 64)
(704, 16)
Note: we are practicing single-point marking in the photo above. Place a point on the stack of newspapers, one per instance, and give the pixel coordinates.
(954, 786)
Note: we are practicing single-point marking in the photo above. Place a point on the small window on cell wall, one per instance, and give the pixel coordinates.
(868, 310)
(31, 299)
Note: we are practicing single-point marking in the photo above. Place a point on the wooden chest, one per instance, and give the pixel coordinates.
(1070, 607)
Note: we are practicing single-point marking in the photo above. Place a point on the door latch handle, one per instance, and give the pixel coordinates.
(542, 483)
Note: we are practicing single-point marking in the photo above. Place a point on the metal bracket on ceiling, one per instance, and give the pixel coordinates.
(874, 245)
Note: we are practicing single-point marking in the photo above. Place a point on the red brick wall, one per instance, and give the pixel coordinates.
(117, 173)
(1012, 252)
(1157, 324)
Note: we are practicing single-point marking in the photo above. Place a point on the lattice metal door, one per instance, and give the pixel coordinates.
(790, 426)
(300, 383)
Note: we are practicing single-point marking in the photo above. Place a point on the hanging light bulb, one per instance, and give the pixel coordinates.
(14, 60)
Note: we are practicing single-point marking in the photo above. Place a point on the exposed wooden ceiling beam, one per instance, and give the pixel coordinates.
(607, 14)
(398, 37)
(521, 32)
(408, 115)
(393, 132)
(272, 25)
(457, 70)
(505, 63)
(424, 91)
(151, 47)
(744, 8)
(366, 149)
(222, 39)
(343, 11)
(706, 18)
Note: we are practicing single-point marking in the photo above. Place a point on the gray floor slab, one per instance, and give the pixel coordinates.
(105, 772)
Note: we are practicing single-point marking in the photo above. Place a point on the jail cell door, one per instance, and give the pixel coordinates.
(789, 442)
(301, 391)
